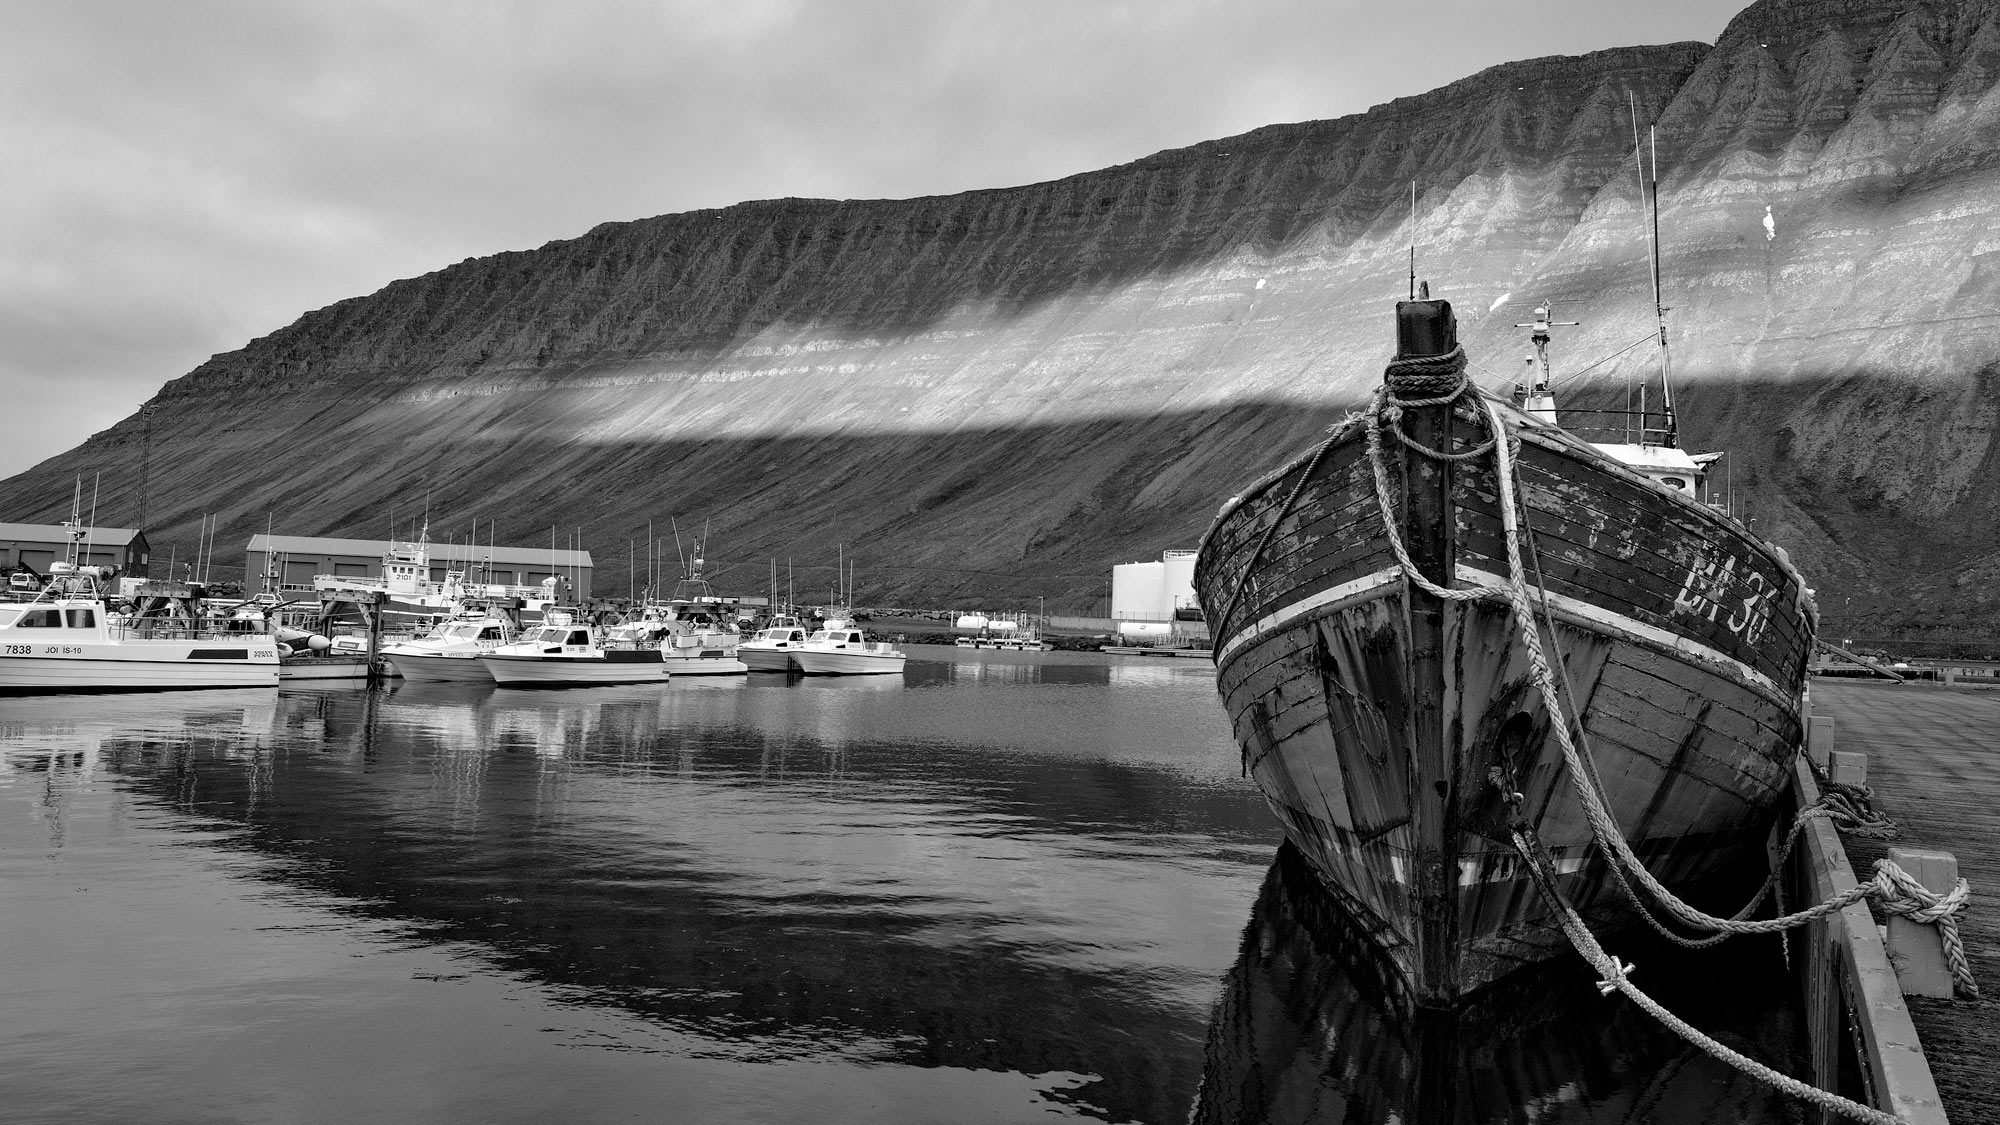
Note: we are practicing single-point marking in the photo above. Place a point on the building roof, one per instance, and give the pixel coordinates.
(57, 533)
(440, 552)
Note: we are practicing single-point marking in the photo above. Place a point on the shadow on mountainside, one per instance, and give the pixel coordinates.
(1012, 514)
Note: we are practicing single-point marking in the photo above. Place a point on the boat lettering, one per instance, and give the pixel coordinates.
(1714, 588)
(20, 650)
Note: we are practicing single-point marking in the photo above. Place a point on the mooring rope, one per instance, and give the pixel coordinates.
(1616, 975)
(1443, 383)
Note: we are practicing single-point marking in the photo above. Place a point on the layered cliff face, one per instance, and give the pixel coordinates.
(998, 394)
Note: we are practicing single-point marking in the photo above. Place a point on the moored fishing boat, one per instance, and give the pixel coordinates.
(68, 638)
(841, 650)
(1454, 625)
(771, 649)
(450, 653)
(695, 637)
(561, 654)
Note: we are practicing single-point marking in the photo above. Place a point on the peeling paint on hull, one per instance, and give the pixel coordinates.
(1682, 638)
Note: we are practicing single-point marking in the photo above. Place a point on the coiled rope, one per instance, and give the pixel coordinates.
(1440, 381)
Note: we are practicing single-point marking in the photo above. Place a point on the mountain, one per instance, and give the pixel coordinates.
(993, 396)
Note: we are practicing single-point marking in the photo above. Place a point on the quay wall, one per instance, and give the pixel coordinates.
(1860, 1038)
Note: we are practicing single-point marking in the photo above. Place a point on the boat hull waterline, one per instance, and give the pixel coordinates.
(439, 667)
(163, 668)
(1680, 639)
(617, 667)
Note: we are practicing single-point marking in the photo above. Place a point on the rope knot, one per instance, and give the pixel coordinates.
(1615, 974)
(1901, 895)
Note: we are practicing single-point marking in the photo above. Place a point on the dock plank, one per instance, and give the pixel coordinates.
(1934, 764)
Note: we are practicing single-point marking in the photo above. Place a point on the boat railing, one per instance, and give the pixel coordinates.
(1637, 427)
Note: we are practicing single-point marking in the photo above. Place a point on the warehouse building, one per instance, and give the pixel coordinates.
(297, 559)
(38, 546)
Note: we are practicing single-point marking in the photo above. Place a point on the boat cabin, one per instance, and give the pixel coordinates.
(1668, 466)
(838, 638)
(563, 639)
(63, 621)
(483, 631)
(783, 637)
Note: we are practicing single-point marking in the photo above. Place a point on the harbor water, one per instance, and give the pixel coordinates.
(999, 887)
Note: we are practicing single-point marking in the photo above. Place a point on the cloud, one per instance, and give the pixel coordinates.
(188, 176)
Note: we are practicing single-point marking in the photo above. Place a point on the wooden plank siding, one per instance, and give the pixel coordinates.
(1692, 752)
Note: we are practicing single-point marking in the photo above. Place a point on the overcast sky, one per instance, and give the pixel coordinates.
(181, 177)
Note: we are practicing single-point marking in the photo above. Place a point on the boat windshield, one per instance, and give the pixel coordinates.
(551, 635)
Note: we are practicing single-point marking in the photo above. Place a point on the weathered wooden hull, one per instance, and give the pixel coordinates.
(1682, 639)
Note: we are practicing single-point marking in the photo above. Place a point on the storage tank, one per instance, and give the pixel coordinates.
(1138, 592)
(1145, 632)
(1178, 581)
(971, 622)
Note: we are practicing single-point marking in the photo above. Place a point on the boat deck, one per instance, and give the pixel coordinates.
(1934, 764)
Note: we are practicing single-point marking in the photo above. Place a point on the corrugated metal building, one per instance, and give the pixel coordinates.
(37, 545)
(296, 559)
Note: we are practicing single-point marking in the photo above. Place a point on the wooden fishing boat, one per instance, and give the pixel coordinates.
(1402, 734)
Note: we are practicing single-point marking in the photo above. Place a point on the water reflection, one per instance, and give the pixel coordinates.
(984, 890)
(925, 873)
(1309, 1030)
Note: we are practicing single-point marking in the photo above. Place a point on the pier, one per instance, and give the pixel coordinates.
(1933, 761)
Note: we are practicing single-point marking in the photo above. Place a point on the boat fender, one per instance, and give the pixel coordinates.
(317, 643)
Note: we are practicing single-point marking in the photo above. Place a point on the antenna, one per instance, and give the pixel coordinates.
(1413, 240)
(1659, 309)
(90, 532)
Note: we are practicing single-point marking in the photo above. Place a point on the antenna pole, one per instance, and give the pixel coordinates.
(1660, 309)
(90, 533)
(145, 461)
(1413, 240)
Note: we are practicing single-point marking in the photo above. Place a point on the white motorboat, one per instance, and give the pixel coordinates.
(846, 652)
(450, 653)
(771, 649)
(67, 639)
(557, 655)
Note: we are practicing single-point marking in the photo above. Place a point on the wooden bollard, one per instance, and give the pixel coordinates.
(1848, 767)
(1819, 739)
(1915, 948)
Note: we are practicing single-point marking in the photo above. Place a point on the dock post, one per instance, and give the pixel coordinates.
(1916, 948)
(1847, 767)
(1819, 739)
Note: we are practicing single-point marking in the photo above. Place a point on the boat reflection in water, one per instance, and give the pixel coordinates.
(1312, 1027)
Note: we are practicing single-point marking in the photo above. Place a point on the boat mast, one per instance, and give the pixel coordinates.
(1671, 438)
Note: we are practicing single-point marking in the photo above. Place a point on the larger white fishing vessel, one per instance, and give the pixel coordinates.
(406, 578)
(69, 639)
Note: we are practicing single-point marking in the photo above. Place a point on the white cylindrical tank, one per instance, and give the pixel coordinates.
(971, 621)
(1178, 582)
(1138, 592)
(1147, 631)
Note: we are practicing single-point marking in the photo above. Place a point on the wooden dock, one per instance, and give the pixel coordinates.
(1934, 764)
